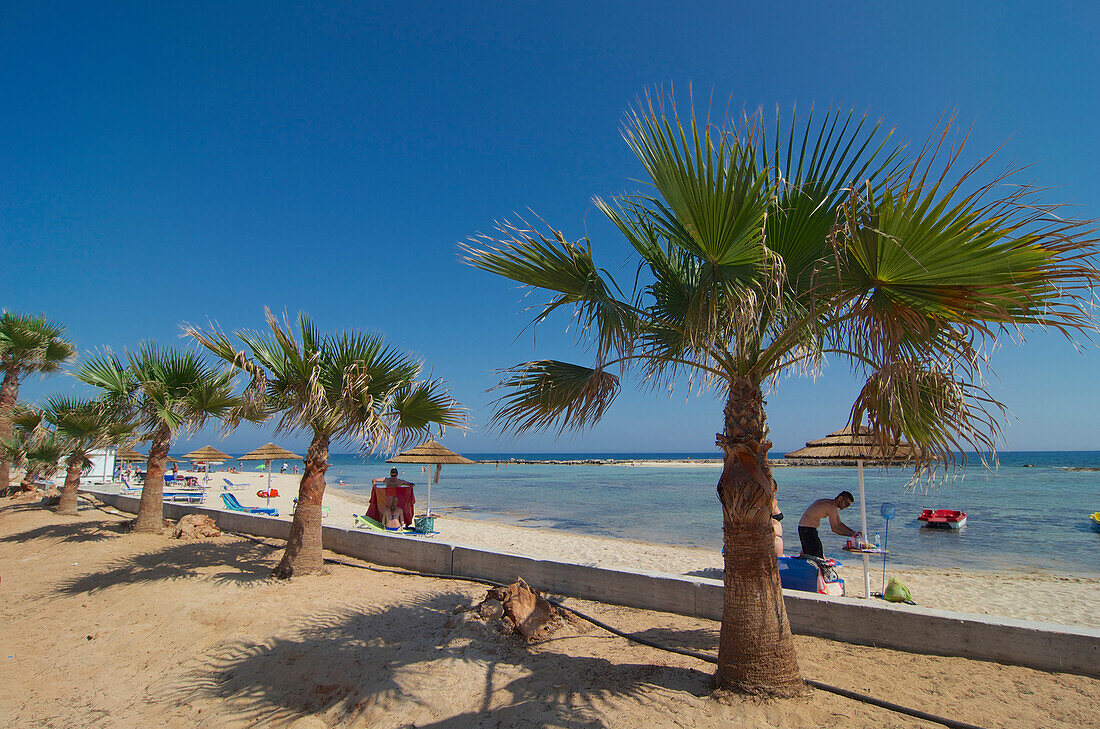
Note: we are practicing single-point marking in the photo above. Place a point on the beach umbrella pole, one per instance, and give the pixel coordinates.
(863, 531)
(885, 548)
(428, 511)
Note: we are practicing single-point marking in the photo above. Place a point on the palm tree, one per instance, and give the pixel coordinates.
(84, 426)
(29, 344)
(761, 252)
(32, 446)
(164, 391)
(349, 387)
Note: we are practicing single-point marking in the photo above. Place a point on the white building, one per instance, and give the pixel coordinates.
(103, 466)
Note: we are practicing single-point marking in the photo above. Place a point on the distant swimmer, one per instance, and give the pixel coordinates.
(811, 520)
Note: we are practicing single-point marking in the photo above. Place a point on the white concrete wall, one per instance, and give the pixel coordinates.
(917, 629)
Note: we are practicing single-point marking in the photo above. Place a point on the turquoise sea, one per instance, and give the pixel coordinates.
(1031, 512)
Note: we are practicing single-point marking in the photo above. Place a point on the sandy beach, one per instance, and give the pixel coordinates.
(109, 629)
(1025, 594)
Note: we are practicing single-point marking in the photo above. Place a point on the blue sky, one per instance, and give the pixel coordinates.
(182, 162)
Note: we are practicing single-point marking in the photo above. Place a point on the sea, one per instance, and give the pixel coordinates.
(1029, 511)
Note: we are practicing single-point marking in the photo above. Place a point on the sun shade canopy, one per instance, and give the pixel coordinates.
(430, 452)
(207, 453)
(270, 452)
(849, 445)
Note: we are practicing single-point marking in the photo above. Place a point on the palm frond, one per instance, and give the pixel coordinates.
(521, 253)
(924, 257)
(711, 191)
(930, 407)
(549, 393)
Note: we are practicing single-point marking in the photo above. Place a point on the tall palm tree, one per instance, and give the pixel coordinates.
(84, 426)
(349, 387)
(164, 391)
(765, 250)
(29, 344)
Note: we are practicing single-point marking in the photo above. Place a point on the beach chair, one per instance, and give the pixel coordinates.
(230, 486)
(232, 504)
(365, 522)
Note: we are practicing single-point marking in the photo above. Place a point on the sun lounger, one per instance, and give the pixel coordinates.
(232, 504)
(230, 486)
(185, 497)
(365, 522)
(421, 529)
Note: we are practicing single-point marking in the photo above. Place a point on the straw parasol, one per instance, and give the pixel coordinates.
(269, 453)
(846, 444)
(129, 455)
(850, 444)
(208, 455)
(430, 452)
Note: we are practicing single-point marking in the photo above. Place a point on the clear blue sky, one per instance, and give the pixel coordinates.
(177, 162)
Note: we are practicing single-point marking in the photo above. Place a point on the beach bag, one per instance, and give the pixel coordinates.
(896, 591)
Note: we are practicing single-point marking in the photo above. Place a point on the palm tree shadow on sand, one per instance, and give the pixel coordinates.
(361, 665)
(73, 532)
(247, 562)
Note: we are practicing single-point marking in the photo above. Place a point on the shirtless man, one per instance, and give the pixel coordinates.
(393, 480)
(808, 524)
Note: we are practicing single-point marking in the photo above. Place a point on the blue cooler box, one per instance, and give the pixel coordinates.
(796, 573)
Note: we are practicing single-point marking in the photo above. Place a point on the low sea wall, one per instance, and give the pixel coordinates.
(916, 629)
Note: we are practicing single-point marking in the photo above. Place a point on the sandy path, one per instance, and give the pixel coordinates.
(107, 629)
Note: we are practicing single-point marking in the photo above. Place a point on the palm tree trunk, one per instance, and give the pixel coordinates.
(755, 650)
(303, 547)
(150, 516)
(67, 503)
(9, 394)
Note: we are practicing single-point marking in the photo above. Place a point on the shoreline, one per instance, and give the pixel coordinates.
(1062, 597)
(683, 462)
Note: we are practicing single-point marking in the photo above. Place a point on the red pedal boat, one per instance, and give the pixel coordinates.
(943, 518)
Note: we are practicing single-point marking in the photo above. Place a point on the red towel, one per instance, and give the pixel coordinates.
(380, 496)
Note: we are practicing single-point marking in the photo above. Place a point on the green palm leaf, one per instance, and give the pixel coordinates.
(711, 200)
(549, 393)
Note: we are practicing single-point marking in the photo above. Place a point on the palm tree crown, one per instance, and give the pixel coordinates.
(32, 344)
(350, 387)
(162, 388)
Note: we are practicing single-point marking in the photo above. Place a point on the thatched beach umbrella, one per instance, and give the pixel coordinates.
(848, 444)
(429, 453)
(269, 453)
(129, 455)
(208, 455)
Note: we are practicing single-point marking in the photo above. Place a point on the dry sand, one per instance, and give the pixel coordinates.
(1026, 595)
(108, 629)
